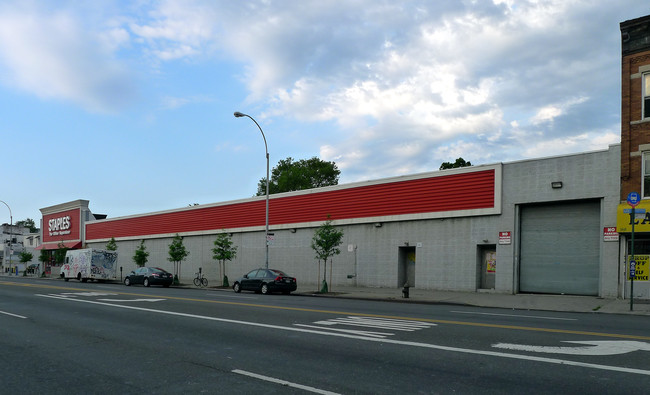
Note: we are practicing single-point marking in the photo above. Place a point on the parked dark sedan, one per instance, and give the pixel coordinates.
(149, 276)
(265, 281)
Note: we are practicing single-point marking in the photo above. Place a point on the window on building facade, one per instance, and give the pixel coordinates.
(646, 95)
(646, 175)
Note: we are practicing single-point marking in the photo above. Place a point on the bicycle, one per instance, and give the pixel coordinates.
(200, 280)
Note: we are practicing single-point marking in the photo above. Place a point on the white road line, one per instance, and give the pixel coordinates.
(365, 333)
(372, 339)
(516, 315)
(283, 382)
(382, 323)
(131, 300)
(13, 315)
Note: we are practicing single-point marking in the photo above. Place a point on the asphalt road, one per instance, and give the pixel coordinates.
(68, 338)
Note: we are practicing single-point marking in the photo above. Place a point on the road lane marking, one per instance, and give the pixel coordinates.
(449, 322)
(377, 322)
(283, 382)
(516, 315)
(365, 333)
(13, 315)
(605, 347)
(372, 339)
(131, 300)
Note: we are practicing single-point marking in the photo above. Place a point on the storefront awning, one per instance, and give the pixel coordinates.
(54, 246)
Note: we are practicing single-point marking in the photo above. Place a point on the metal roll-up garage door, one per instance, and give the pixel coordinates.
(560, 248)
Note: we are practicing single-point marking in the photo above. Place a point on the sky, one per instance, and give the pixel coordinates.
(129, 104)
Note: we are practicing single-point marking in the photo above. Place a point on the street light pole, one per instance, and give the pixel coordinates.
(11, 225)
(238, 114)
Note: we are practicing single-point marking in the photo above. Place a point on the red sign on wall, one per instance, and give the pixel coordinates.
(610, 233)
(505, 237)
(62, 226)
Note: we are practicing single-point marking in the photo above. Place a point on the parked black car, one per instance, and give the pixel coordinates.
(149, 276)
(265, 281)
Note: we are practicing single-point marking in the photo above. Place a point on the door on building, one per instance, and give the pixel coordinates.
(487, 266)
(560, 248)
(406, 267)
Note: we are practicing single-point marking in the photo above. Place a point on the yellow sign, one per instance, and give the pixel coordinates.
(642, 266)
(624, 220)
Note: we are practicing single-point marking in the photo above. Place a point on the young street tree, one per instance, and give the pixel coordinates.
(460, 162)
(111, 245)
(141, 255)
(24, 258)
(59, 253)
(224, 251)
(44, 258)
(290, 176)
(177, 254)
(325, 243)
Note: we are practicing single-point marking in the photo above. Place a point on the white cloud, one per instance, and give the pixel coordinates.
(550, 112)
(53, 57)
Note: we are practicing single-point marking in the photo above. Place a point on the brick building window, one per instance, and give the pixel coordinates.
(646, 95)
(646, 175)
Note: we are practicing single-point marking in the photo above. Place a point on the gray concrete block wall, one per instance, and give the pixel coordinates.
(446, 249)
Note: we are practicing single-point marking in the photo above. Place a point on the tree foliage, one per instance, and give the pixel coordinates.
(325, 243)
(28, 223)
(59, 253)
(111, 245)
(460, 162)
(177, 254)
(290, 176)
(44, 257)
(26, 257)
(224, 251)
(141, 255)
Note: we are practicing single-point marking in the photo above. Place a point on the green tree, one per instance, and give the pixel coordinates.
(177, 253)
(28, 223)
(290, 176)
(44, 258)
(111, 245)
(460, 162)
(325, 243)
(24, 258)
(141, 255)
(224, 251)
(59, 253)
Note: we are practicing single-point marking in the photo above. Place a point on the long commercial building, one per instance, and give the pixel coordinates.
(558, 225)
(541, 226)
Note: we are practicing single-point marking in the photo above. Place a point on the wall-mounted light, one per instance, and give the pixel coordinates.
(556, 184)
(293, 230)
(377, 224)
(406, 243)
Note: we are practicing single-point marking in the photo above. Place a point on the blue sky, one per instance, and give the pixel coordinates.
(129, 104)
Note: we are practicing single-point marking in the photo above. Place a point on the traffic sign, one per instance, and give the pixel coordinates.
(633, 199)
(636, 211)
(632, 269)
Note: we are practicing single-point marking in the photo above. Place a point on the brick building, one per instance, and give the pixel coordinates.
(635, 152)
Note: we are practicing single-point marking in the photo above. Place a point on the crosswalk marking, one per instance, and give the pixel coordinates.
(386, 324)
(382, 323)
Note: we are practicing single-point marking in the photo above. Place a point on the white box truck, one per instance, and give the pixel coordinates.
(89, 264)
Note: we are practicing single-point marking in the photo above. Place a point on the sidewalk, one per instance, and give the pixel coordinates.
(569, 303)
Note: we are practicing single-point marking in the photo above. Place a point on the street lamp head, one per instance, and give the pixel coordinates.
(239, 114)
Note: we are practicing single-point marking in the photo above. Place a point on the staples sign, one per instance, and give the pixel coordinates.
(59, 226)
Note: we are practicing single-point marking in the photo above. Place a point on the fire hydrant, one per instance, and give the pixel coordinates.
(405, 290)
